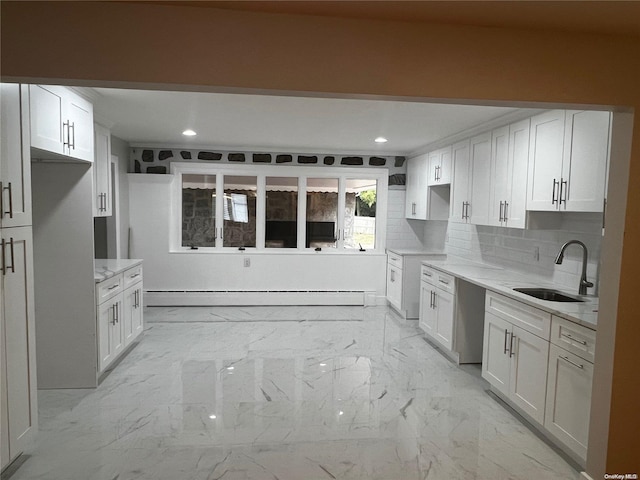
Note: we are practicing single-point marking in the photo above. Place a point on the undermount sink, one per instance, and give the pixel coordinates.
(548, 294)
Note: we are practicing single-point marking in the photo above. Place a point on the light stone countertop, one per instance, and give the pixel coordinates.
(106, 267)
(413, 251)
(503, 281)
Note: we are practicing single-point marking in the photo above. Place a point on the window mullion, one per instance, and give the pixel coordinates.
(302, 212)
(261, 211)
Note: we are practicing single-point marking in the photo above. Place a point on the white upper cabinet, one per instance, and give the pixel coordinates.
(61, 123)
(509, 164)
(102, 173)
(568, 158)
(586, 153)
(416, 199)
(15, 158)
(440, 167)
(460, 196)
(480, 178)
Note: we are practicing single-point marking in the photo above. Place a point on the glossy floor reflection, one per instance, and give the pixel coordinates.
(284, 393)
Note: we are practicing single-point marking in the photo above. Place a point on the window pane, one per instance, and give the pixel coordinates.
(198, 210)
(322, 212)
(360, 214)
(239, 211)
(281, 226)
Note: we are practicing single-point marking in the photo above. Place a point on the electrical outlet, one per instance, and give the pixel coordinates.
(247, 262)
(536, 254)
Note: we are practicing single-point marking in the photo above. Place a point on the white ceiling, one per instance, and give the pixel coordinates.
(281, 123)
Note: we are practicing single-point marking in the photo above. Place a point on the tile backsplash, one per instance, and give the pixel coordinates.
(533, 252)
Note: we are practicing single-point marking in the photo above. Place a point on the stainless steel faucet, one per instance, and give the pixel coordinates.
(584, 284)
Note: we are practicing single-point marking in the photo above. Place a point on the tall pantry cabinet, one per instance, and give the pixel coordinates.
(18, 402)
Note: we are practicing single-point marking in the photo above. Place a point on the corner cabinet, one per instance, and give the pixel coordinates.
(102, 191)
(568, 156)
(119, 313)
(403, 287)
(61, 124)
(440, 167)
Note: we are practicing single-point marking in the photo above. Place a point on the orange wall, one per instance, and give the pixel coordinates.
(101, 42)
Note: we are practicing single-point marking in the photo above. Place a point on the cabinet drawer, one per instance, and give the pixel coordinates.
(446, 282)
(109, 288)
(133, 275)
(572, 337)
(529, 318)
(394, 259)
(429, 275)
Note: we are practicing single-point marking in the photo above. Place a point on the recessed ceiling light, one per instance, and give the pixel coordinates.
(381, 140)
(189, 133)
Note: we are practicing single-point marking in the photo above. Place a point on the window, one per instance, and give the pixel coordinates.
(325, 209)
(322, 212)
(360, 214)
(281, 221)
(239, 211)
(198, 210)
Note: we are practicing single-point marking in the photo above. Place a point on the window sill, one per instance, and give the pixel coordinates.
(276, 251)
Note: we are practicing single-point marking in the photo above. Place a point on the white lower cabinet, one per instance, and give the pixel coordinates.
(569, 386)
(542, 365)
(437, 307)
(119, 314)
(515, 359)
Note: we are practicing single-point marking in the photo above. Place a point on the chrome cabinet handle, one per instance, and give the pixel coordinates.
(506, 333)
(566, 359)
(511, 352)
(501, 207)
(72, 142)
(65, 138)
(553, 193)
(134, 275)
(4, 260)
(566, 335)
(565, 184)
(445, 282)
(462, 215)
(113, 286)
(427, 274)
(435, 295)
(10, 211)
(413, 208)
(393, 276)
(504, 215)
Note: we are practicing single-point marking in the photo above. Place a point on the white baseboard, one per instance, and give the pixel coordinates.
(156, 298)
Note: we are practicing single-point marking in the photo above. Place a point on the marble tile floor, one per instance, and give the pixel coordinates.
(284, 393)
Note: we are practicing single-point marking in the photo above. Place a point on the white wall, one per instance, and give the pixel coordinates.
(150, 207)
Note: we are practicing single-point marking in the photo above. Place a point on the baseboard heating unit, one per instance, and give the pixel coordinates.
(172, 298)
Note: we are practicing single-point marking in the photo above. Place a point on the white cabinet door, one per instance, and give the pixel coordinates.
(416, 199)
(445, 317)
(15, 156)
(132, 320)
(528, 376)
(546, 150)
(499, 191)
(496, 362)
(79, 115)
(568, 407)
(480, 178)
(47, 107)
(111, 330)
(427, 319)
(19, 349)
(586, 153)
(459, 182)
(105, 348)
(439, 167)
(4, 408)
(102, 173)
(394, 286)
(515, 212)
(137, 318)
(129, 305)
